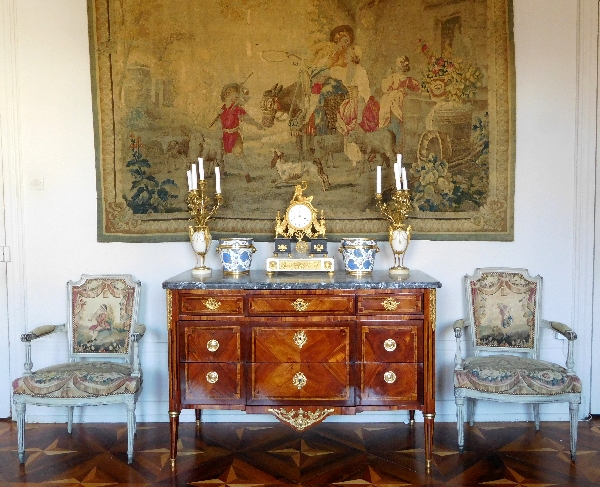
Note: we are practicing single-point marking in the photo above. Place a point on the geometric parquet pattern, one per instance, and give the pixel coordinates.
(329, 454)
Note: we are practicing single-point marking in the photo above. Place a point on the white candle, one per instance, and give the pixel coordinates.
(400, 169)
(194, 177)
(378, 179)
(397, 175)
(404, 181)
(189, 176)
(201, 168)
(218, 179)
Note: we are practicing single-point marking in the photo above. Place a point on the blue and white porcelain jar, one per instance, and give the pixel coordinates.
(358, 255)
(236, 255)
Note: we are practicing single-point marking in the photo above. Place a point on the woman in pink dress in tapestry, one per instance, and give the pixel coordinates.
(360, 111)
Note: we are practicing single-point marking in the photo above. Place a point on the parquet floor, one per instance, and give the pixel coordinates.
(272, 454)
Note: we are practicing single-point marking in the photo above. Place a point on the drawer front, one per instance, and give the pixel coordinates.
(390, 382)
(211, 304)
(211, 383)
(400, 303)
(300, 304)
(389, 343)
(301, 344)
(294, 381)
(209, 343)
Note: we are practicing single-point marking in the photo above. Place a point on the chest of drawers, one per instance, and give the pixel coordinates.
(302, 347)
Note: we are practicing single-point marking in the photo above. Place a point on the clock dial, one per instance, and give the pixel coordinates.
(300, 216)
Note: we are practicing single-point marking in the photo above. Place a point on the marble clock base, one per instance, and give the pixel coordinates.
(289, 264)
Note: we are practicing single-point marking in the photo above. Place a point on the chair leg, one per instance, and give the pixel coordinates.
(460, 422)
(573, 413)
(130, 430)
(20, 410)
(471, 413)
(70, 419)
(536, 416)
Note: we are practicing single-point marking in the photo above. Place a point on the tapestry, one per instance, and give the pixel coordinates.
(276, 93)
(504, 308)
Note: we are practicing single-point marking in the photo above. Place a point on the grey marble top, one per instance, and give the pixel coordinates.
(258, 279)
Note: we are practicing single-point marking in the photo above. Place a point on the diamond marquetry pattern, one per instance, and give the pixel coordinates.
(329, 454)
(322, 344)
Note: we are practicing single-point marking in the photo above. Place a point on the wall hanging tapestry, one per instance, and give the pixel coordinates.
(275, 93)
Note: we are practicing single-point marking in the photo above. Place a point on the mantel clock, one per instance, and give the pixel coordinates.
(301, 224)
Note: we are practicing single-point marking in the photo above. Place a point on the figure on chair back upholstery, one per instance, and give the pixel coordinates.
(503, 319)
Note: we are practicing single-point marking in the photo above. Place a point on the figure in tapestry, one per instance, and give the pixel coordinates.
(103, 321)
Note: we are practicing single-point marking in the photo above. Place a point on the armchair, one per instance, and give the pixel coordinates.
(503, 308)
(103, 360)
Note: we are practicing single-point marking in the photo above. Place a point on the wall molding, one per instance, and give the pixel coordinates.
(12, 183)
(585, 192)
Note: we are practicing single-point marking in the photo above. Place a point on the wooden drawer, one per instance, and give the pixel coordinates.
(211, 304)
(300, 304)
(211, 383)
(392, 343)
(301, 344)
(400, 303)
(383, 383)
(295, 381)
(200, 343)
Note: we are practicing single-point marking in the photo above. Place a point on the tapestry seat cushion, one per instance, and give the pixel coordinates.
(508, 374)
(79, 379)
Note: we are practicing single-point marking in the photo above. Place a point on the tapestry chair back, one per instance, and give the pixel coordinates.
(503, 309)
(101, 314)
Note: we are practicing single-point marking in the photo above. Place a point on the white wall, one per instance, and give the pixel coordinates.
(59, 221)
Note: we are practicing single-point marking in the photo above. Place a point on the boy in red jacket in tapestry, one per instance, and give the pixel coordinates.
(231, 115)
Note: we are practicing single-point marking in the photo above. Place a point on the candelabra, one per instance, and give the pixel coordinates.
(201, 209)
(396, 212)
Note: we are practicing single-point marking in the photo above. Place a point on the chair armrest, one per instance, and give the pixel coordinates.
(564, 330)
(458, 326)
(136, 336)
(34, 334)
(41, 331)
(570, 335)
(138, 332)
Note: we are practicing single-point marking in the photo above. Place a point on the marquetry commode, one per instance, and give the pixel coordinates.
(303, 346)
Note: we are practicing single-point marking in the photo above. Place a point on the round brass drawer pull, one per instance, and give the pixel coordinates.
(212, 345)
(300, 338)
(299, 380)
(212, 377)
(390, 344)
(389, 377)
